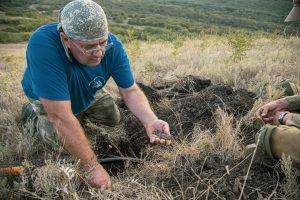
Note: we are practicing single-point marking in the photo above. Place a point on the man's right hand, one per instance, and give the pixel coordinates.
(100, 179)
(269, 110)
(68, 128)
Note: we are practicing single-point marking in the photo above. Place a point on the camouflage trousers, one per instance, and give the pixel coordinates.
(102, 110)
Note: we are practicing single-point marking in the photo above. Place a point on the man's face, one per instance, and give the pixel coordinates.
(87, 53)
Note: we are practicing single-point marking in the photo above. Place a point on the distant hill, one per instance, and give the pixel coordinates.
(154, 19)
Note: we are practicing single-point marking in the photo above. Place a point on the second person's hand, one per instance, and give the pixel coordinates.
(267, 112)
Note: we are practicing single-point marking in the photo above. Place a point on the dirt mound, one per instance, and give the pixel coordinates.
(185, 103)
(191, 101)
(185, 85)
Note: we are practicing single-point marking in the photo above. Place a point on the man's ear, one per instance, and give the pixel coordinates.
(65, 39)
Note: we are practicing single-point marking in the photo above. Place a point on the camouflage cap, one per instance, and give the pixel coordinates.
(83, 20)
(294, 15)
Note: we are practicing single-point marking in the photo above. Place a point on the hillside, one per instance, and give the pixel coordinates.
(153, 19)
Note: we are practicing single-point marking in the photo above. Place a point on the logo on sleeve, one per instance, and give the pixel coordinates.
(97, 82)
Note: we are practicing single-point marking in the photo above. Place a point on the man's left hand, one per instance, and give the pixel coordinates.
(160, 126)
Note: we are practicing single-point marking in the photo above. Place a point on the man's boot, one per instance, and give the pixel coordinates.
(27, 114)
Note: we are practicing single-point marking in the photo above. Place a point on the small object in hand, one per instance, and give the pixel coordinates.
(162, 135)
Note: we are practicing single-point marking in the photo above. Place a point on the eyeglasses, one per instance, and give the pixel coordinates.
(89, 52)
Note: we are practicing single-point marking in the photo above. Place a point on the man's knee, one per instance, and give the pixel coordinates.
(286, 140)
(103, 110)
(109, 115)
(115, 119)
(274, 141)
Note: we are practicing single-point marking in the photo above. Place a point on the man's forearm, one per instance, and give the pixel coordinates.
(138, 104)
(71, 134)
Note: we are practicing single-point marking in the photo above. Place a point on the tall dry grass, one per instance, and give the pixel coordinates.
(12, 62)
(290, 186)
(267, 61)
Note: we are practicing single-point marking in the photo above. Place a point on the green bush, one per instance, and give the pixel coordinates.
(240, 43)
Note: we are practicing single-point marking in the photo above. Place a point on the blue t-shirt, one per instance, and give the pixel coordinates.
(50, 75)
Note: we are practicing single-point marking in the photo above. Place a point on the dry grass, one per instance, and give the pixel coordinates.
(267, 61)
(227, 139)
(54, 181)
(290, 187)
(12, 63)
